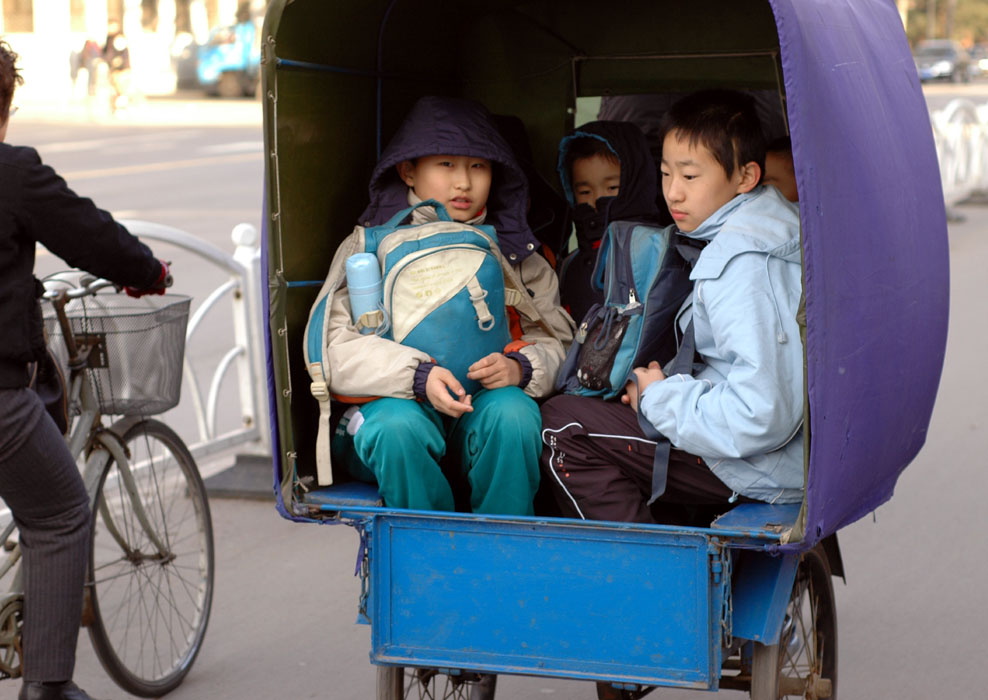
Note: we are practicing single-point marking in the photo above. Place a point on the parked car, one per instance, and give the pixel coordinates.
(979, 60)
(228, 64)
(942, 59)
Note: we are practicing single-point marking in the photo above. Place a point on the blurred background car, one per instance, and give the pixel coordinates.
(229, 63)
(942, 59)
(979, 60)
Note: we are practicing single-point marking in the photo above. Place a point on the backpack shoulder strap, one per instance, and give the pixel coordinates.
(320, 391)
(688, 248)
(314, 349)
(516, 296)
(374, 234)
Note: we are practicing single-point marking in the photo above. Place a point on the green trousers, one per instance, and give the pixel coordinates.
(400, 443)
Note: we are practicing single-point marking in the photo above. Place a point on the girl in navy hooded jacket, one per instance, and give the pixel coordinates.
(449, 150)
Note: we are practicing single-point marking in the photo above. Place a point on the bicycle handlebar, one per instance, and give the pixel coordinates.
(86, 287)
(72, 288)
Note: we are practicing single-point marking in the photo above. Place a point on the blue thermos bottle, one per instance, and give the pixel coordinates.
(363, 281)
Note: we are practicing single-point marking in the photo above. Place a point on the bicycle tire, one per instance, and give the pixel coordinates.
(151, 605)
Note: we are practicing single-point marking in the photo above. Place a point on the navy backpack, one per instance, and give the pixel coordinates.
(643, 273)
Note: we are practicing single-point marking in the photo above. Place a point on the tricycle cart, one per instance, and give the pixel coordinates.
(746, 602)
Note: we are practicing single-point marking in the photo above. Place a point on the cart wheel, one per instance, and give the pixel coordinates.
(484, 688)
(606, 691)
(804, 662)
(229, 85)
(397, 683)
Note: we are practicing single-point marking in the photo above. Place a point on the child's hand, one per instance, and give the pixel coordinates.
(495, 370)
(446, 394)
(645, 376)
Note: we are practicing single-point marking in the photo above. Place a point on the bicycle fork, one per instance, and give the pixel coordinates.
(110, 446)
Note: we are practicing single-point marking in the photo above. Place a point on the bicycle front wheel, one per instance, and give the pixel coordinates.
(151, 584)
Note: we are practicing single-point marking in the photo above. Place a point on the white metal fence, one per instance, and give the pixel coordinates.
(960, 131)
(240, 285)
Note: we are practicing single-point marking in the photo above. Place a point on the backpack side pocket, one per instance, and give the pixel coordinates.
(600, 350)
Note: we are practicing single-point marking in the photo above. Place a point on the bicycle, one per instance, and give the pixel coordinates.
(149, 589)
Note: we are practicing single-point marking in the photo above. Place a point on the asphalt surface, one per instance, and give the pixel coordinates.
(187, 108)
(911, 615)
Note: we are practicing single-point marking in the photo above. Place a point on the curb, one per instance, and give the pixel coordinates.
(167, 110)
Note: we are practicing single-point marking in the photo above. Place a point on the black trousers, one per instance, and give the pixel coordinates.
(40, 483)
(597, 464)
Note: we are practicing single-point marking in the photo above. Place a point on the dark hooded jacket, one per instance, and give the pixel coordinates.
(635, 201)
(456, 127)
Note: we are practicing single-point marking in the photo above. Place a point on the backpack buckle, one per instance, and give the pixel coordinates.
(320, 391)
(370, 319)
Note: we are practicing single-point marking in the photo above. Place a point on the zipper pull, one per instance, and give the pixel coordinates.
(581, 332)
(633, 302)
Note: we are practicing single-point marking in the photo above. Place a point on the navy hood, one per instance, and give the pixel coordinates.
(455, 127)
(636, 198)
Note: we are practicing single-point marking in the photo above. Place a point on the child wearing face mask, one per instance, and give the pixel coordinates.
(607, 174)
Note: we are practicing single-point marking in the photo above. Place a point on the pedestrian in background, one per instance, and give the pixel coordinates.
(87, 58)
(116, 55)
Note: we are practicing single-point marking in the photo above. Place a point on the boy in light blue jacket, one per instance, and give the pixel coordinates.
(733, 412)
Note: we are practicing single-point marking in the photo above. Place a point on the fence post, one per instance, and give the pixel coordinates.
(248, 254)
(959, 134)
(247, 354)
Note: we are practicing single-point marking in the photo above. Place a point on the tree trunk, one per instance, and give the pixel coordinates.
(948, 27)
(903, 6)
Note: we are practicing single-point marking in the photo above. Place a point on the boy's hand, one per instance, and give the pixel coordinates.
(446, 394)
(645, 376)
(495, 370)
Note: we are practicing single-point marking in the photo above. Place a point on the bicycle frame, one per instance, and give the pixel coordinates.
(87, 433)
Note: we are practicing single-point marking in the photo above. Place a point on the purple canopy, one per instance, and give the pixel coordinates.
(874, 245)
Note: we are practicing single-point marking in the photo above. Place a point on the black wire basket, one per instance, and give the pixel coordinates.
(137, 364)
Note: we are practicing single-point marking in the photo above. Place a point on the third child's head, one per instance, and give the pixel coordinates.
(594, 170)
(779, 170)
(459, 183)
(713, 150)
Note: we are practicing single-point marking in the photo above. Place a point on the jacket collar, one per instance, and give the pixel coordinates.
(426, 215)
(766, 225)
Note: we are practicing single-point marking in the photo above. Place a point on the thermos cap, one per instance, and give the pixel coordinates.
(363, 272)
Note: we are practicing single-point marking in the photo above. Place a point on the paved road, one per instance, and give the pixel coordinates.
(911, 616)
(939, 94)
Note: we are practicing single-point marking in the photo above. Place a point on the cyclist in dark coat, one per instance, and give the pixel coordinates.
(39, 480)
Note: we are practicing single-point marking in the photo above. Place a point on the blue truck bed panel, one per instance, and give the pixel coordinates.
(577, 601)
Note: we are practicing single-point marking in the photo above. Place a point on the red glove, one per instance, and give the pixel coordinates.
(164, 281)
